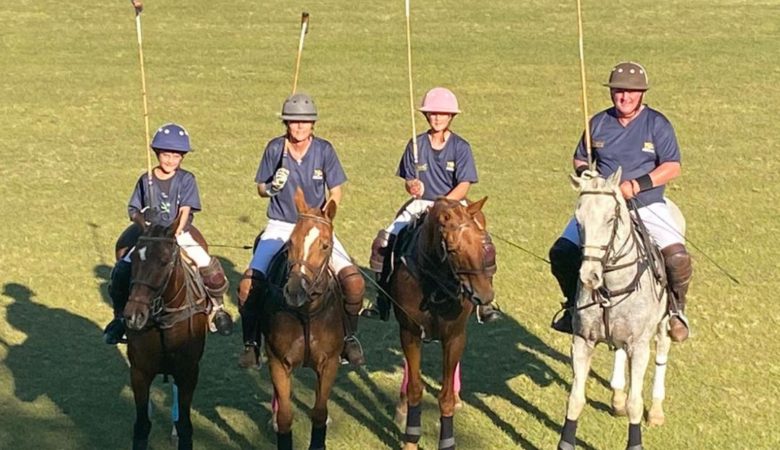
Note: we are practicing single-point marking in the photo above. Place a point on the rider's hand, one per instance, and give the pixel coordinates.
(280, 179)
(138, 5)
(416, 188)
(589, 174)
(629, 189)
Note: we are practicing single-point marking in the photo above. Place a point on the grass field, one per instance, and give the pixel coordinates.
(72, 145)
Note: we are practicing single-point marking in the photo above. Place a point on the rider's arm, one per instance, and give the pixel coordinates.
(335, 194)
(184, 213)
(459, 192)
(262, 190)
(579, 166)
(661, 175)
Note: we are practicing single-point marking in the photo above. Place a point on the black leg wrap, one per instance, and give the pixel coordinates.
(446, 434)
(413, 424)
(284, 441)
(634, 435)
(318, 437)
(568, 435)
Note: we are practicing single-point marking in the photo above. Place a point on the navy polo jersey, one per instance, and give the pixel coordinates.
(167, 197)
(647, 142)
(439, 170)
(319, 171)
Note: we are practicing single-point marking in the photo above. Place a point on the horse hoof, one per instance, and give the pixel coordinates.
(619, 403)
(400, 416)
(655, 417)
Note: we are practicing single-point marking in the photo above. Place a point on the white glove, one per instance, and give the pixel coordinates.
(280, 179)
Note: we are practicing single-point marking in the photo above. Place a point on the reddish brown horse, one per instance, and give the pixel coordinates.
(307, 327)
(166, 327)
(446, 269)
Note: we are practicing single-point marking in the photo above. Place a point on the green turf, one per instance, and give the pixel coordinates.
(72, 146)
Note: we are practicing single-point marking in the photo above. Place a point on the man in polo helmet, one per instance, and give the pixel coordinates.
(642, 141)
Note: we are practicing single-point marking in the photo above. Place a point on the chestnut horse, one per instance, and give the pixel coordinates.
(306, 328)
(166, 327)
(446, 269)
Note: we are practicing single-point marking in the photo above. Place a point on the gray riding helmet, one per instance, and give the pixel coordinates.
(628, 75)
(299, 107)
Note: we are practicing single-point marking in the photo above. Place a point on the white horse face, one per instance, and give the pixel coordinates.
(597, 213)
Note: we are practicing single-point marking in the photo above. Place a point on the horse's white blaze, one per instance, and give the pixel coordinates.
(142, 253)
(308, 241)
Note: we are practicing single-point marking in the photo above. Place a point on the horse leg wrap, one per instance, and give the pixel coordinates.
(568, 435)
(318, 437)
(446, 434)
(354, 288)
(119, 286)
(634, 436)
(284, 441)
(413, 424)
(565, 262)
(214, 280)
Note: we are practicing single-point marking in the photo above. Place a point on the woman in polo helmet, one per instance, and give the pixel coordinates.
(173, 191)
(445, 168)
(642, 141)
(297, 159)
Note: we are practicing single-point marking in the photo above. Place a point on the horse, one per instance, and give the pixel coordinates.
(622, 300)
(444, 267)
(306, 328)
(166, 327)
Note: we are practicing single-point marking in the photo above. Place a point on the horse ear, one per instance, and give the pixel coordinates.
(300, 200)
(614, 179)
(576, 182)
(475, 207)
(330, 210)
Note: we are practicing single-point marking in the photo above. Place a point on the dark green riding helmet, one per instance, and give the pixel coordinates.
(628, 75)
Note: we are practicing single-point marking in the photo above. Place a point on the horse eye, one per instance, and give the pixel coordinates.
(325, 245)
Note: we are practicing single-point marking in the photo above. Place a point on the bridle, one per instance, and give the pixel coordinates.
(607, 263)
(156, 304)
(318, 284)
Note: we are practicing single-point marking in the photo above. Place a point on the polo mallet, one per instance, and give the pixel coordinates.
(138, 10)
(304, 30)
(411, 88)
(584, 88)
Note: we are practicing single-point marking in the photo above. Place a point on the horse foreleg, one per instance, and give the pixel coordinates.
(638, 359)
(663, 344)
(319, 414)
(618, 383)
(186, 382)
(581, 355)
(140, 383)
(452, 350)
(411, 345)
(281, 378)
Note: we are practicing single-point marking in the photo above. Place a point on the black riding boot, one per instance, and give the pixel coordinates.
(680, 271)
(381, 246)
(119, 291)
(216, 285)
(354, 288)
(251, 291)
(565, 262)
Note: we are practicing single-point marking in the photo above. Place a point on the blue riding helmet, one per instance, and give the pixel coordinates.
(171, 137)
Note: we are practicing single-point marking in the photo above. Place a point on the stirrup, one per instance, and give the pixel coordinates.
(352, 339)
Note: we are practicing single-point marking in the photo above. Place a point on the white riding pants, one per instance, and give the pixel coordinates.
(276, 234)
(658, 221)
(188, 245)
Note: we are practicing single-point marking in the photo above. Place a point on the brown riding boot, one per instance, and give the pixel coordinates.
(216, 284)
(353, 286)
(679, 271)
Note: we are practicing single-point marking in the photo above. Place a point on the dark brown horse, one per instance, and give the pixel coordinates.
(445, 270)
(166, 327)
(307, 328)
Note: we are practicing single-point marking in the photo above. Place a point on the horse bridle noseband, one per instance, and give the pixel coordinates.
(156, 305)
(312, 283)
(607, 248)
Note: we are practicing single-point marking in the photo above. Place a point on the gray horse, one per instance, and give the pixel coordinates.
(619, 302)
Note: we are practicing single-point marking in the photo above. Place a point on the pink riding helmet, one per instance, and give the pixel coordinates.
(440, 100)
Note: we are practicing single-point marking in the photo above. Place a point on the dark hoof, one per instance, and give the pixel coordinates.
(223, 322)
(249, 357)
